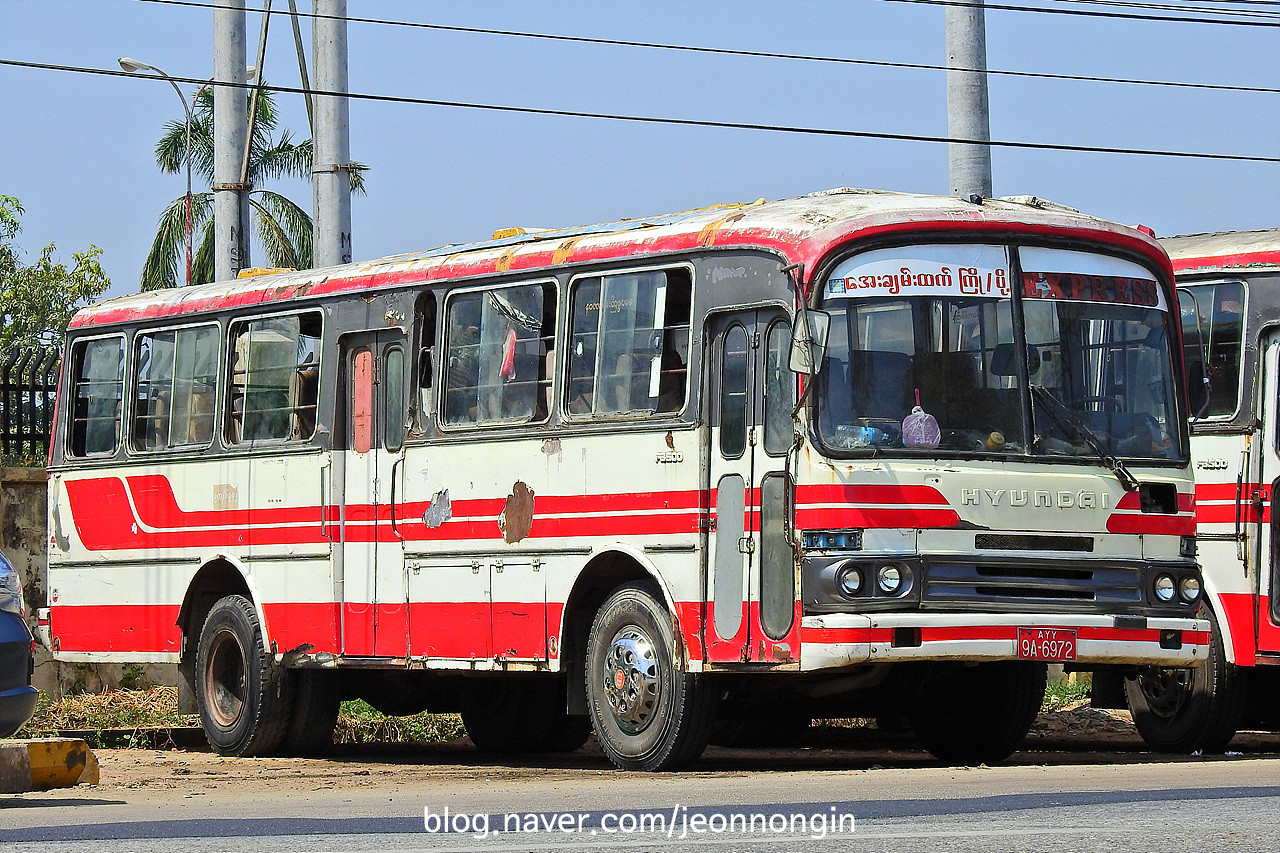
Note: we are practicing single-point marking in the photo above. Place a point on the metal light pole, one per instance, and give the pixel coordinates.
(132, 65)
(968, 110)
(331, 161)
(230, 132)
(128, 63)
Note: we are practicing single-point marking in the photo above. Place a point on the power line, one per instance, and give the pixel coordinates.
(755, 54)
(661, 120)
(1177, 7)
(1008, 7)
(1088, 13)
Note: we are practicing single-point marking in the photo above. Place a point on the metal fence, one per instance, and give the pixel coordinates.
(28, 384)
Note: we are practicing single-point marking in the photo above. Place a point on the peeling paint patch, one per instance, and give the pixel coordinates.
(517, 516)
(439, 510)
(551, 447)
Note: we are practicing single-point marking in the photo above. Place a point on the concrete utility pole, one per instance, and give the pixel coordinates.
(968, 112)
(230, 133)
(331, 158)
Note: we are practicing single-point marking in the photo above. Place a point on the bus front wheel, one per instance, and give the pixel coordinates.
(1185, 710)
(978, 714)
(244, 697)
(647, 711)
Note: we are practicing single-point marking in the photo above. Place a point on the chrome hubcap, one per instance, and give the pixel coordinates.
(632, 679)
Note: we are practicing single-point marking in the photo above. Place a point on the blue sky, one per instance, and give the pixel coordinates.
(78, 149)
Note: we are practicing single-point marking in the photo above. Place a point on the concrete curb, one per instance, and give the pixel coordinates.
(182, 737)
(39, 764)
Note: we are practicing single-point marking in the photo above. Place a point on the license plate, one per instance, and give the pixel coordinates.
(1056, 644)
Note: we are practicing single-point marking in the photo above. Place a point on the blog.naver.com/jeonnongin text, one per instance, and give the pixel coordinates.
(678, 822)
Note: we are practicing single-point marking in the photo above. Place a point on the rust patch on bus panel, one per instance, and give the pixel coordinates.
(517, 516)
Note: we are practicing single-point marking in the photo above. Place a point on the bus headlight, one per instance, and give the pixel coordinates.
(831, 540)
(1189, 589)
(1165, 587)
(889, 579)
(850, 581)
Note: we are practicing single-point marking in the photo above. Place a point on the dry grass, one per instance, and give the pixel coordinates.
(116, 709)
(157, 708)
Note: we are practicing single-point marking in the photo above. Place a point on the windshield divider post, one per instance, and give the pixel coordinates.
(1029, 437)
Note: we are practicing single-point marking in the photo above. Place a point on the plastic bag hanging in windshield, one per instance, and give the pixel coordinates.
(920, 429)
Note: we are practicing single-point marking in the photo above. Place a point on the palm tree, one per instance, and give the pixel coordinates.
(283, 228)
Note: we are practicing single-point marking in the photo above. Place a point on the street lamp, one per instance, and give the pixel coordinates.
(133, 66)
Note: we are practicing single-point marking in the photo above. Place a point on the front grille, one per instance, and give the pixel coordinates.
(1032, 542)
(1015, 585)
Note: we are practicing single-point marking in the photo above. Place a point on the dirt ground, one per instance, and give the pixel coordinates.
(1083, 735)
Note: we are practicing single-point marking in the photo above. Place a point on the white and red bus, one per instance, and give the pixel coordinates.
(1229, 291)
(590, 479)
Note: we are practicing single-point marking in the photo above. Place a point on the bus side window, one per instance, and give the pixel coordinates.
(426, 323)
(97, 375)
(275, 379)
(174, 376)
(498, 342)
(629, 346)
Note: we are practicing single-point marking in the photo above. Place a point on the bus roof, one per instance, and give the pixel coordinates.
(800, 229)
(1224, 251)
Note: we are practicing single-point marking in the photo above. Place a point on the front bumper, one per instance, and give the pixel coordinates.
(16, 707)
(846, 639)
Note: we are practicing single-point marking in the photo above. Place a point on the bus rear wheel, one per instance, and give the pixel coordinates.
(1185, 710)
(979, 714)
(245, 698)
(647, 712)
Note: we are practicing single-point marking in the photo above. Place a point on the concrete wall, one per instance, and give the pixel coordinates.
(23, 533)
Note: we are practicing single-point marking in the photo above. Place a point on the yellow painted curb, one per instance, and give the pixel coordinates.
(39, 764)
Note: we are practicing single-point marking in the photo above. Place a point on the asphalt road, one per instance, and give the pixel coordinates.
(883, 796)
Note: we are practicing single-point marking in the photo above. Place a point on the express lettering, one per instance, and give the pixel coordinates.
(1079, 287)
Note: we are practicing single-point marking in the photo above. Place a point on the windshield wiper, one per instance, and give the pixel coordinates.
(1072, 425)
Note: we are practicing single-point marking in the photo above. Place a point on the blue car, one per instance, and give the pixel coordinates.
(17, 649)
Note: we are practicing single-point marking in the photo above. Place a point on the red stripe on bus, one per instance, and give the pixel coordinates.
(106, 520)
(150, 628)
(873, 506)
(874, 517)
(1220, 491)
(871, 494)
(456, 629)
(1235, 259)
(1129, 517)
(1150, 523)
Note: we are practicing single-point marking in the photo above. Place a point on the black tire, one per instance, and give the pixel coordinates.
(245, 698)
(506, 716)
(1185, 710)
(317, 696)
(979, 714)
(647, 711)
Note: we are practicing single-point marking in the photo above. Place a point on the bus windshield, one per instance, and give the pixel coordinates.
(922, 355)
